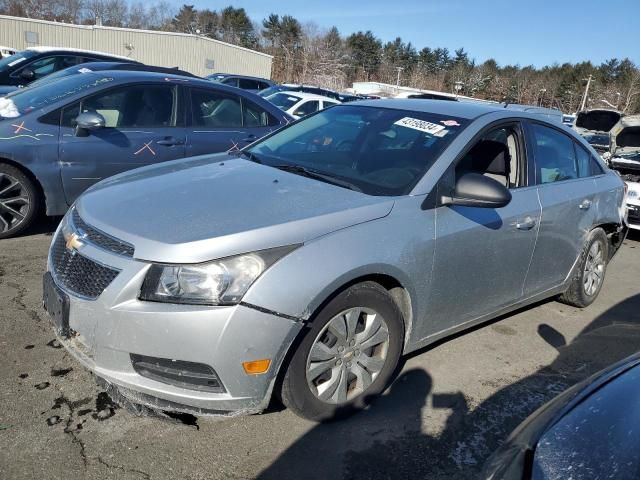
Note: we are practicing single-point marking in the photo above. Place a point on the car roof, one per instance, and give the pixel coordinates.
(466, 110)
(136, 67)
(234, 75)
(306, 96)
(78, 50)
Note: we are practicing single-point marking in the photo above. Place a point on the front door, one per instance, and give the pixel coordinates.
(482, 254)
(142, 127)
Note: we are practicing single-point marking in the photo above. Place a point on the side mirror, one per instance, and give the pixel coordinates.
(87, 122)
(27, 74)
(475, 190)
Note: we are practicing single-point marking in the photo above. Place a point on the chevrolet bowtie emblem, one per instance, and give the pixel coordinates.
(73, 242)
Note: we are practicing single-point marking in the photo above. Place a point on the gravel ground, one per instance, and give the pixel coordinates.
(450, 407)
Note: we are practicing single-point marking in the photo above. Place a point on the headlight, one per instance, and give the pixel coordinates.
(221, 282)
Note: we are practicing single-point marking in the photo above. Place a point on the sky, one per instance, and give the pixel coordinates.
(534, 32)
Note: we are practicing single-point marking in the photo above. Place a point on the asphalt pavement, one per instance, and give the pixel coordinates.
(450, 407)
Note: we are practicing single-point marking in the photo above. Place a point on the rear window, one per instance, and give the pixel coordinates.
(284, 100)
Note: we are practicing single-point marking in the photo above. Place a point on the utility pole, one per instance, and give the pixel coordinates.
(586, 93)
(398, 79)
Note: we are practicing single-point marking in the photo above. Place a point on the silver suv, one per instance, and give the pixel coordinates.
(306, 264)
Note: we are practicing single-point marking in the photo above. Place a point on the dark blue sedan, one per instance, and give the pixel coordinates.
(58, 139)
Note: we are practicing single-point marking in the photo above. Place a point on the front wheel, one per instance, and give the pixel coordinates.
(348, 356)
(18, 201)
(589, 276)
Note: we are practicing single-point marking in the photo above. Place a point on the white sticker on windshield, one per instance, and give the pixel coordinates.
(15, 62)
(421, 125)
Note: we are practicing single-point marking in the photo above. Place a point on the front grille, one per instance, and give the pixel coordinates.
(79, 274)
(101, 239)
(191, 375)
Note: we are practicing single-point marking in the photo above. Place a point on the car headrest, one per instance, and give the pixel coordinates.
(490, 156)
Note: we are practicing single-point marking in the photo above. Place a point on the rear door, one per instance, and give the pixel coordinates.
(144, 125)
(219, 121)
(567, 201)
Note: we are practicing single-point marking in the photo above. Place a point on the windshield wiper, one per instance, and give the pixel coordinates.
(247, 154)
(305, 172)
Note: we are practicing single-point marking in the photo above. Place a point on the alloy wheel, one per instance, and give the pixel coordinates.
(14, 202)
(593, 269)
(347, 355)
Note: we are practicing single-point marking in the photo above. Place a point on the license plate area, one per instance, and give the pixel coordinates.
(56, 303)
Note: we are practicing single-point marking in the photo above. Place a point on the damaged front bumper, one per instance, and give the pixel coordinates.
(184, 342)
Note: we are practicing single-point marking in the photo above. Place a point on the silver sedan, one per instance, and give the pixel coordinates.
(308, 263)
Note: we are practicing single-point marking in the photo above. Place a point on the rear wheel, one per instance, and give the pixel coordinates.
(589, 276)
(348, 356)
(19, 201)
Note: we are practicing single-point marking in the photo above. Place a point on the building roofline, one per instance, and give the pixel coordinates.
(134, 30)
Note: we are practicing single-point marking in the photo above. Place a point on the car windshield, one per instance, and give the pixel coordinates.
(15, 59)
(378, 151)
(284, 100)
(23, 101)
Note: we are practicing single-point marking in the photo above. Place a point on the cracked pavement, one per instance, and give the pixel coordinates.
(450, 407)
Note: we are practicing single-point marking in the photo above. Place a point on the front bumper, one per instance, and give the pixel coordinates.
(115, 325)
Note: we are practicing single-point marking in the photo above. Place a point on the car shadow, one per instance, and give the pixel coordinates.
(42, 226)
(386, 441)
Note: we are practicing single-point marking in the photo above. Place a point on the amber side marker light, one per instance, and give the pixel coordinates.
(256, 367)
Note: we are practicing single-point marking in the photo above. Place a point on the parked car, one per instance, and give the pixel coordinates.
(299, 104)
(32, 64)
(253, 84)
(595, 125)
(306, 264)
(101, 66)
(587, 432)
(58, 139)
(324, 92)
(6, 52)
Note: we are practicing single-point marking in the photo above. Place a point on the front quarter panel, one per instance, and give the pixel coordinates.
(399, 245)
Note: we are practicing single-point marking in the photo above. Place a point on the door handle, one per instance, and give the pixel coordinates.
(170, 142)
(527, 224)
(585, 205)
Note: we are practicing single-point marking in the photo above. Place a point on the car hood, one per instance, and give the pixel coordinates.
(625, 136)
(203, 208)
(597, 120)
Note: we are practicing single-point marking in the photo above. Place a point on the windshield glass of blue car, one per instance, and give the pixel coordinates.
(23, 101)
(16, 59)
(376, 151)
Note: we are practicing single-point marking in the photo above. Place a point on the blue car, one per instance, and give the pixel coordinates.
(58, 139)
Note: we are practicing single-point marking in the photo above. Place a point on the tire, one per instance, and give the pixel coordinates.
(581, 293)
(361, 364)
(19, 201)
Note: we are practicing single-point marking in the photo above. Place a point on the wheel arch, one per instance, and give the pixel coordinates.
(616, 233)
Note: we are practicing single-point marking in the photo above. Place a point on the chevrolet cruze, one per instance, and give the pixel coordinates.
(307, 264)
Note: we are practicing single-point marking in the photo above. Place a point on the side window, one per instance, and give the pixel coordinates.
(554, 155)
(232, 82)
(69, 115)
(327, 104)
(133, 106)
(213, 109)
(255, 116)
(263, 85)
(68, 61)
(584, 162)
(596, 168)
(496, 155)
(42, 67)
(248, 84)
(307, 108)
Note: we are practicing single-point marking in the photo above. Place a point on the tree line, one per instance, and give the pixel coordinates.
(308, 53)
